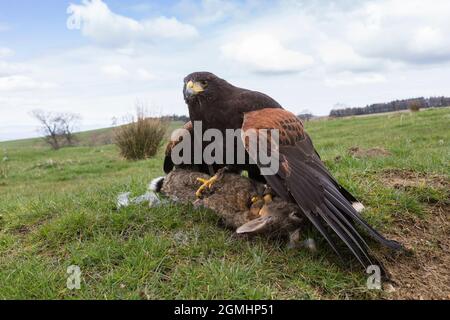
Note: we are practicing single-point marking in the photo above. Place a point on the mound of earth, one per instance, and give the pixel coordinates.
(425, 273)
(405, 179)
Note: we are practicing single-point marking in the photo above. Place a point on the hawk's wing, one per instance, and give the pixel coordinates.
(304, 179)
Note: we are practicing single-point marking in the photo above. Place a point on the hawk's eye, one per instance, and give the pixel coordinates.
(204, 83)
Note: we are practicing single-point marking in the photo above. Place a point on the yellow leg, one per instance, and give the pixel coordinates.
(206, 184)
(260, 202)
(268, 198)
(256, 206)
(255, 199)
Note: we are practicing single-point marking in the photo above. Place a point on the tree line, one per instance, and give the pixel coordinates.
(175, 117)
(397, 105)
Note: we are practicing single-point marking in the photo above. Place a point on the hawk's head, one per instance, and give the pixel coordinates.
(202, 85)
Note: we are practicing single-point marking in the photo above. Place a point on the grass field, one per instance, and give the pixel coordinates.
(57, 208)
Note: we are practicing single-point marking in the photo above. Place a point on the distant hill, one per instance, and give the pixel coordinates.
(397, 105)
(91, 138)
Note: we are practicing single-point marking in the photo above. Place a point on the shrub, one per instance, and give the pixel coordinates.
(414, 106)
(141, 138)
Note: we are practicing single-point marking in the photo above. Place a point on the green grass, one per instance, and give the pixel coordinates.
(57, 208)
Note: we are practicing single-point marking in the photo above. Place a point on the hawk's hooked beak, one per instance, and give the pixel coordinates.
(193, 88)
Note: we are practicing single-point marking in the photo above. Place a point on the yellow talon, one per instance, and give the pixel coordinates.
(255, 199)
(268, 198)
(206, 184)
(264, 211)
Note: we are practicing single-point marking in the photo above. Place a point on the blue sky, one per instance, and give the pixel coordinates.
(306, 54)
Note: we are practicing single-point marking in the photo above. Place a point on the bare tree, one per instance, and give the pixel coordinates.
(49, 127)
(57, 128)
(68, 123)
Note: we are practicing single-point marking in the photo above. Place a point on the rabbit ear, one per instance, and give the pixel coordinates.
(256, 225)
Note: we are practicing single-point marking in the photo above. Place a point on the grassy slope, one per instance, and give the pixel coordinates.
(57, 209)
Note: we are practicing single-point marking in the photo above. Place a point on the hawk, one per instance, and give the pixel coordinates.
(302, 178)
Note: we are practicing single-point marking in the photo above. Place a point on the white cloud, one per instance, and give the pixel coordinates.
(338, 56)
(263, 53)
(118, 72)
(10, 68)
(22, 83)
(6, 52)
(206, 12)
(351, 79)
(410, 31)
(115, 70)
(99, 23)
(369, 37)
(321, 53)
(145, 75)
(17, 76)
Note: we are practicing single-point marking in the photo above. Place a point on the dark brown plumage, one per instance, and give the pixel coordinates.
(221, 105)
(302, 179)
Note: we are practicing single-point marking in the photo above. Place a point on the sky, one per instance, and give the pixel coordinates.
(99, 58)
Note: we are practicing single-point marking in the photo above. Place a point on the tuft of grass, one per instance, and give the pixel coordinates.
(141, 138)
(415, 106)
(4, 170)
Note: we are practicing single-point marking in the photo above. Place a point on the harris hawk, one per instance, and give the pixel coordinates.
(302, 178)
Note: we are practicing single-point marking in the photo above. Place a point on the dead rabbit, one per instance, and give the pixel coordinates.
(245, 206)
